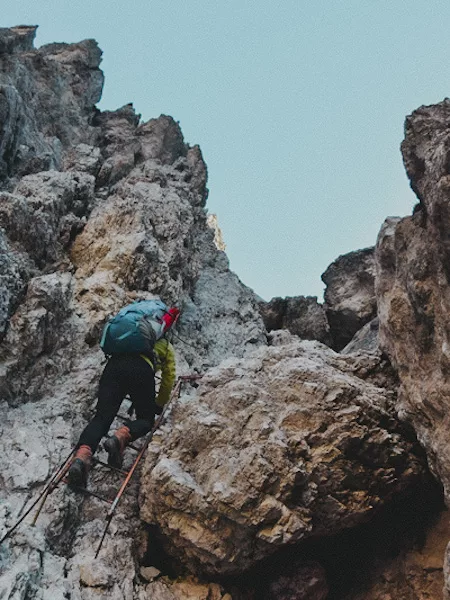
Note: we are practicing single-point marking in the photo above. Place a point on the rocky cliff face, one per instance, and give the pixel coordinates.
(304, 317)
(350, 304)
(413, 287)
(117, 213)
(350, 300)
(279, 475)
(47, 100)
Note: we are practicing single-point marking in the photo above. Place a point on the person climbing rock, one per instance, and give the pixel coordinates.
(136, 342)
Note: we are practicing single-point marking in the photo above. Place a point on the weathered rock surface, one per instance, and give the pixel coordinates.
(416, 574)
(182, 590)
(122, 215)
(279, 447)
(287, 445)
(15, 270)
(302, 316)
(218, 235)
(37, 121)
(413, 287)
(305, 582)
(350, 300)
(365, 339)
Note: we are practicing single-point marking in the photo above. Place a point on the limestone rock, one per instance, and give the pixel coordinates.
(218, 236)
(120, 146)
(364, 339)
(15, 270)
(32, 570)
(84, 158)
(96, 210)
(37, 122)
(52, 205)
(162, 139)
(16, 39)
(447, 573)
(182, 590)
(302, 316)
(304, 582)
(416, 573)
(222, 319)
(287, 446)
(124, 218)
(38, 335)
(350, 299)
(149, 573)
(150, 238)
(412, 259)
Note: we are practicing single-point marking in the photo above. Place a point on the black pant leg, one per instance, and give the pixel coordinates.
(141, 386)
(110, 395)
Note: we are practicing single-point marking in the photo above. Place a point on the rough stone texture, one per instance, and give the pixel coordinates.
(37, 121)
(182, 590)
(123, 218)
(16, 39)
(55, 205)
(97, 209)
(365, 339)
(305, 582)
(148, 237)
(413, 289)
(413, 258)
(218, 236)
(302, 316)
(447, 572)
(350, 300)
(15, 270)
(416, 574)
(288, 445)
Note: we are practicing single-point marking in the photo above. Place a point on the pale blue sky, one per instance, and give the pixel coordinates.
(298, 107)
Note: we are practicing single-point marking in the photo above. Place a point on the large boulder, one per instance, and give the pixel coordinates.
(365, 339)
(301, 315)
(350, 300)
(289, 444)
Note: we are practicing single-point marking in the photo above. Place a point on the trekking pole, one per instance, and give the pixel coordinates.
(45, 492)
(53, 484)
(176, 393)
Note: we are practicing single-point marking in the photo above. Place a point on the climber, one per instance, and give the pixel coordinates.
(134, 357)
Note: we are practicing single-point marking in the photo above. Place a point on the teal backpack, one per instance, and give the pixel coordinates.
(135, 328)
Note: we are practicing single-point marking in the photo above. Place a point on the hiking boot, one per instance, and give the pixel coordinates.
(77, 474)
(115, 446)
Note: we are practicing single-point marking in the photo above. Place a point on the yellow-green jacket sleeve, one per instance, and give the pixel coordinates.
(165, 362)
